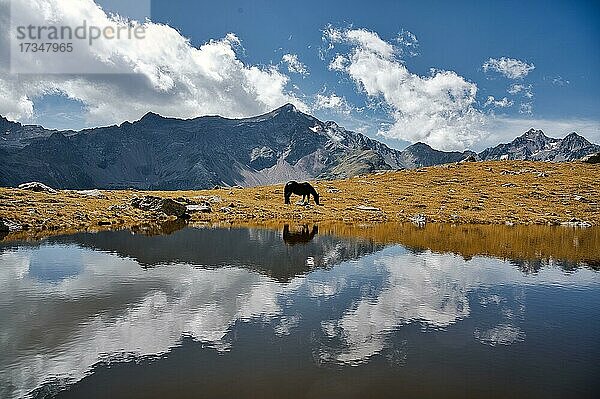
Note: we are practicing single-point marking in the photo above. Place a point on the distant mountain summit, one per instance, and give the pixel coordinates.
(16, 135)
(534, 145)
(157, 152)
(166, 153)
(421, 155)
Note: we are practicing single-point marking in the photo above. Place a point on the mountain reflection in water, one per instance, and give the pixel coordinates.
(243, 312)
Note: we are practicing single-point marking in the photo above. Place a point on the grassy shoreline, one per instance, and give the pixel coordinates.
(495, 192)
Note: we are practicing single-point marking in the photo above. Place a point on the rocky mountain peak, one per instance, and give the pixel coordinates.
(151, 116)
(535, 145)
(159, 152)
(5, 124)
(533, 134)
(420, 145)
(575, 137)
(289, 107)
(286, 111)
(575, 141)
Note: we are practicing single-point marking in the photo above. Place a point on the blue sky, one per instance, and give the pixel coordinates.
(560, 37)
(555, 42)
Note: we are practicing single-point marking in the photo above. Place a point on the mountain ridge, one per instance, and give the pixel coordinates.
(157, 152)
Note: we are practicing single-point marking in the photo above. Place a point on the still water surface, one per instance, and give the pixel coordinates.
(291, 313)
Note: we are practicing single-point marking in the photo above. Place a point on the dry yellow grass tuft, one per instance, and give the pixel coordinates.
(497, 192)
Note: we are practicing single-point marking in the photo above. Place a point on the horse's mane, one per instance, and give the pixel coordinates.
(312, 190)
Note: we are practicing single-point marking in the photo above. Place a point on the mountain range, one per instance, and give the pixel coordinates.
(156, 152)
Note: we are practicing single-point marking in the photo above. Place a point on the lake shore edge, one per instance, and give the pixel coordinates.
(493, 192)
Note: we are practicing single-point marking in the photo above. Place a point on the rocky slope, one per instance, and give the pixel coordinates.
(165, 153)
(534, 145)
(421, 155)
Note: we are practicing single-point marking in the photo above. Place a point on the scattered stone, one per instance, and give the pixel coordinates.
(368, 208)
(204, 208)
(333, 190)
(509, 185)
(419, 219)
(509, 223)
(574, 222)
(470, 158)
(211, 199)
(118, 208)
(379, 172)
(8, 226)
(541, 174)
(184, 200)
(226, 209)
(580, 198)
(92, 193)
(37, 187)
(591, 158)
(158, 204)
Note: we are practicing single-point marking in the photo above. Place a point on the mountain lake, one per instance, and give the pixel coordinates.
(302, 312)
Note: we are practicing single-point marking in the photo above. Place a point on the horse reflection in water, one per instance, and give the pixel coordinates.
(302, 236)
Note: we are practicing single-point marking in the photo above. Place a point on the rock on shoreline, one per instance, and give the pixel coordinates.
(157, 204)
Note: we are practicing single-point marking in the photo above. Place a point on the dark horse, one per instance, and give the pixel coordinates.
(303, 189)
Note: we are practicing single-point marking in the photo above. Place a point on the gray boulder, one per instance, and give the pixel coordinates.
(157, 204)
(92, 193)
(204, 208)
(470, 158)
(591, 158)
(37, 187)
(7, 226)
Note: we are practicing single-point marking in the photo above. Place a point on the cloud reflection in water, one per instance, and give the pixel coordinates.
(107, 307)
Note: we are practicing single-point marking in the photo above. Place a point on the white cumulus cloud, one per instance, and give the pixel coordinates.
(438, 109)
(526, 108)
(502, 103)
(408, 43)
(338, 63)
(332, 102)
(509, 67)
(294, 65)
(164, 72)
